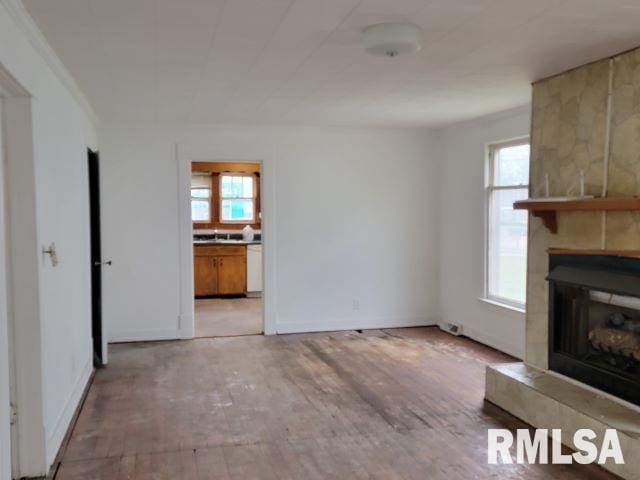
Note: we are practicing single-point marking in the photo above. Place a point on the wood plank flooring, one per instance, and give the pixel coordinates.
(396, 404)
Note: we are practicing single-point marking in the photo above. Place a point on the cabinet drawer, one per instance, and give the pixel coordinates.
(219, 250)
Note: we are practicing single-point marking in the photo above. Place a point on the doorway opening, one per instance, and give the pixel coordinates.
(227, 248)
(99, 344)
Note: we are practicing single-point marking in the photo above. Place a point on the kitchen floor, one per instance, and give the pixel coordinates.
(228, 317)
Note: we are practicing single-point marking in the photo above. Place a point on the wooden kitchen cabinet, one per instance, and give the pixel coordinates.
(220, 270)
(205, 276)
(232, 274)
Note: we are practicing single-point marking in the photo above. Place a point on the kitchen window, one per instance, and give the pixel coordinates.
(506, 256)
(201, 198)
(237, 198)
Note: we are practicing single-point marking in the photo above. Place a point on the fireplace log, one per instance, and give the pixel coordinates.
(617, 341)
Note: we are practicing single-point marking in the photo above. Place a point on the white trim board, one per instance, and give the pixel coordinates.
(146, 336)
(492, 341)
(24, 271)
(5, 355)
(55, 436)
(340, 324)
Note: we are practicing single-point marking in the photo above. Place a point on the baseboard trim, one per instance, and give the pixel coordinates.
(492, 341)
(283, 328)
(352, 324)
(145, 336)
(55, 438)
(187, 326)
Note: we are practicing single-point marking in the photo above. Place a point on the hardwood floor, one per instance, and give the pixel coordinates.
(395, 404)
(228, 317)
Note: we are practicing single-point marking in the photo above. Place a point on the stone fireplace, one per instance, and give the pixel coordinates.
(581, 365)
(594, 321)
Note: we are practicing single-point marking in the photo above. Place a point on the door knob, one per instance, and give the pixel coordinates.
(97, 264)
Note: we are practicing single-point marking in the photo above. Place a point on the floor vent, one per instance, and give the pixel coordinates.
(452, 328)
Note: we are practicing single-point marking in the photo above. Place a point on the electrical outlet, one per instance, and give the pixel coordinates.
(356, 304)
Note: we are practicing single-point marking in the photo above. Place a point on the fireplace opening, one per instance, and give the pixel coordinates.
(594, 321)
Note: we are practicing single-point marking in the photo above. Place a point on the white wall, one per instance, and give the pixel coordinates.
(62, 130)
(353, 218)
(65, 291)
(462, 231)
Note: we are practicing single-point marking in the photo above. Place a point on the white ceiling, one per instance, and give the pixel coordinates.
(301, 61)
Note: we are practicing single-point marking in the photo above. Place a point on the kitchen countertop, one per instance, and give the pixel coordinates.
(226, 242)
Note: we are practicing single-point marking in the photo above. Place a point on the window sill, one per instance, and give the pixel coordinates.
(507, 306)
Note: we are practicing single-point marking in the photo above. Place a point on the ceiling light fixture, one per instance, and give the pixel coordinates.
(392, 39)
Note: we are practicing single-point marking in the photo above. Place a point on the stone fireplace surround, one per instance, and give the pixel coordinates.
(584, 120)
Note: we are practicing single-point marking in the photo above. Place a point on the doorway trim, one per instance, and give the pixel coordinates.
(6, 363)
(28, 448)
(185, 155)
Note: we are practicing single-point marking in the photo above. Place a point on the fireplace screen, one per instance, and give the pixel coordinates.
(594, 321)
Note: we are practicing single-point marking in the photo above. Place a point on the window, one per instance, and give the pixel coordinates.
(201, 198)
(508, 181)
(237, 198)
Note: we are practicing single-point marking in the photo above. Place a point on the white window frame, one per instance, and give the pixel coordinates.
(252, 198)
(490, 188)
(209, 200)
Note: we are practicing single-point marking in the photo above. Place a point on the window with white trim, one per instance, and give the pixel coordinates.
(508, 181)
(237, 198)
(201, 197)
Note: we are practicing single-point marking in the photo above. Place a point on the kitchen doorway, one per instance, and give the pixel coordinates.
(227, 248)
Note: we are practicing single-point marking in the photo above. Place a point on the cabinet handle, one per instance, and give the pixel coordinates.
(215, 262)
(220, 262)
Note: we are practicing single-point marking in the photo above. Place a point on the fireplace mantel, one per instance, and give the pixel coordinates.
(547, 209)
(576, 251)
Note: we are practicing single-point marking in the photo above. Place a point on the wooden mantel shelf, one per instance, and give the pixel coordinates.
(575, 251)
(547, 209)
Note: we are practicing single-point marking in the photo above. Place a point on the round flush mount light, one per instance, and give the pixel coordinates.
(392, 39)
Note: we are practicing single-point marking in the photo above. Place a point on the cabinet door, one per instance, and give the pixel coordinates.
(205, 276)
(232, 275)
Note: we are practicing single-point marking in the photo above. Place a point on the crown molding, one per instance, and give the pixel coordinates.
(38, 41)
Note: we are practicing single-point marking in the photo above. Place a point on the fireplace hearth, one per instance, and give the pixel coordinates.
(594, 321)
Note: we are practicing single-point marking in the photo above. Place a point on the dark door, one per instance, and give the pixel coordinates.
(96, 257)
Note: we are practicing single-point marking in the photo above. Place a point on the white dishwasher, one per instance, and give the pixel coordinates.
(254, 270)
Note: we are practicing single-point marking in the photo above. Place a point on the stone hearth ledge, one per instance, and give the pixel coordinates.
(548, 400)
